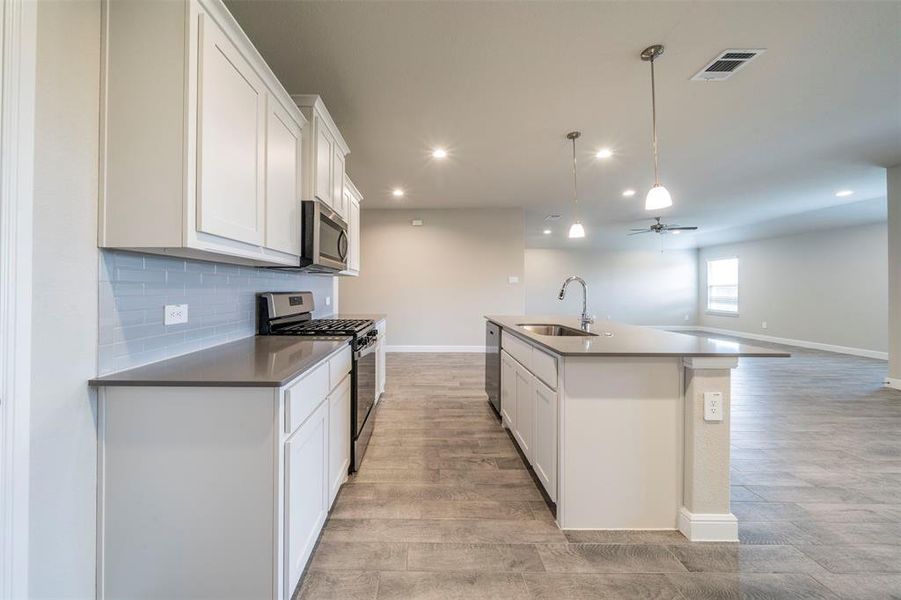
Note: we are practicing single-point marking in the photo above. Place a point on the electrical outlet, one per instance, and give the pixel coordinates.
(763, 324)
(685, 318)
(328, 300)
(176, 314)
(713, 406)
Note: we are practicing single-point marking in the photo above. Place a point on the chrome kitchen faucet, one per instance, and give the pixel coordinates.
(586, 319)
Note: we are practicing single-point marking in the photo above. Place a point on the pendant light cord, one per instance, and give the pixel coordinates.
(575, 183)
(654, 121)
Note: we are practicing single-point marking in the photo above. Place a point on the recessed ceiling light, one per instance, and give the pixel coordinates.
(439, 153)
(397, 193)
(546, 232)
(628, 193)
(604, 153)
(844, 193)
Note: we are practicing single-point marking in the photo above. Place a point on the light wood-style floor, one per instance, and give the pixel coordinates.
(443, 507)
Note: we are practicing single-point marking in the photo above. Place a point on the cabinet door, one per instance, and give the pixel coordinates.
(338, 198)
(508, 391)
(230, 141)
(338, 436)
(306, 491)
(525, 410)
(282, 181)
(353, 234)
(324, 153)
(544, 444)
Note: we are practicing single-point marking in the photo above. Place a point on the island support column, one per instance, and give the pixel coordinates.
(705, 515)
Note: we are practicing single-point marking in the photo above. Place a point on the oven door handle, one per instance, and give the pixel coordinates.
(368, 349)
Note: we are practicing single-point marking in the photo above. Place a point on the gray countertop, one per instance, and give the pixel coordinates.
(259, 361)
(627, 340)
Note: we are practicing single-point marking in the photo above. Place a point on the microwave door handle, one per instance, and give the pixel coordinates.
(342, 245)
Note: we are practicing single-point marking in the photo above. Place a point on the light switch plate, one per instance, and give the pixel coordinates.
(175, 314)
(512, 279)
(713, 406)
(328, 300)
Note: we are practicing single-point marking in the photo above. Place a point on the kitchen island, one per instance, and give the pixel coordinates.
(625, 427)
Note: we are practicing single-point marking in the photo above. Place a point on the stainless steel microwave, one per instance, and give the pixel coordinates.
(324, 247)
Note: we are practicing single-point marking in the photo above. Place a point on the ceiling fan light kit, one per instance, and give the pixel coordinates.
(658, 197)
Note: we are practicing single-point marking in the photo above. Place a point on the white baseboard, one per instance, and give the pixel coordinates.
(468, 349)
(893, 382)
(799, 343)
(699, 527)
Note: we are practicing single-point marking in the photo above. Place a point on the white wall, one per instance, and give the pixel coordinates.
(827, 286)
(632, 286)
(894, 266)
(435, 282)
(63, 446)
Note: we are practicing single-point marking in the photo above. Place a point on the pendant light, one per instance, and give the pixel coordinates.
(658, 197)
(576, 230)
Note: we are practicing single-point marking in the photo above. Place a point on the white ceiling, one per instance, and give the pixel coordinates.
(500, 83)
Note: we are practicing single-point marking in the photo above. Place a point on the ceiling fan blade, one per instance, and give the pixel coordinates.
(639, 232)
(642, 229)
(678, 228)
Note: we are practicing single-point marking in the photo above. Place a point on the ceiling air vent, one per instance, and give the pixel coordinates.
(727, 64)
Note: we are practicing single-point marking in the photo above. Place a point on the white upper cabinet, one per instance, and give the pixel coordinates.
(324, 153)
(339, 201)
(323, 174)
(231, 140)
(201, 144)
(283, 153)
(352, 200)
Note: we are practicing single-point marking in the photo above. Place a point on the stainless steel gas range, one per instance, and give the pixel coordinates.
(290, 313)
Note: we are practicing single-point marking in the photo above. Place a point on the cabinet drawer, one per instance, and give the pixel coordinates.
(339, 366)
(544, 366)
(303, 396)
(517, 348)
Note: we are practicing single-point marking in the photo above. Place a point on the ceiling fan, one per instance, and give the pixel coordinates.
(659, 227)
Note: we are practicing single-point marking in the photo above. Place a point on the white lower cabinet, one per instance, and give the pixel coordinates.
(338, 437)
(307, 494)
(218, 492)
(525, 410)
(381, 371)
(529, 410)
(544, 444)
(508, 390)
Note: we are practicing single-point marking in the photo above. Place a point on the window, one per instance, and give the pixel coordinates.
(722, 286)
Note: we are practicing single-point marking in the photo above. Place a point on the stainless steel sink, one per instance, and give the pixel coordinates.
(555, 330)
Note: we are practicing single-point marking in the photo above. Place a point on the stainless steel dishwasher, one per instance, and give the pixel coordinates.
(493, 365)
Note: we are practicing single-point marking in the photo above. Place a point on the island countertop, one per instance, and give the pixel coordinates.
(619, 339)
(258, 361)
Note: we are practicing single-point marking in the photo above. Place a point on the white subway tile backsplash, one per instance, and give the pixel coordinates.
(134, 288)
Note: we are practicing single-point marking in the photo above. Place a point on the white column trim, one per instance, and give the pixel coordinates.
(699, 527)
(18, 36)
(893, 382)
